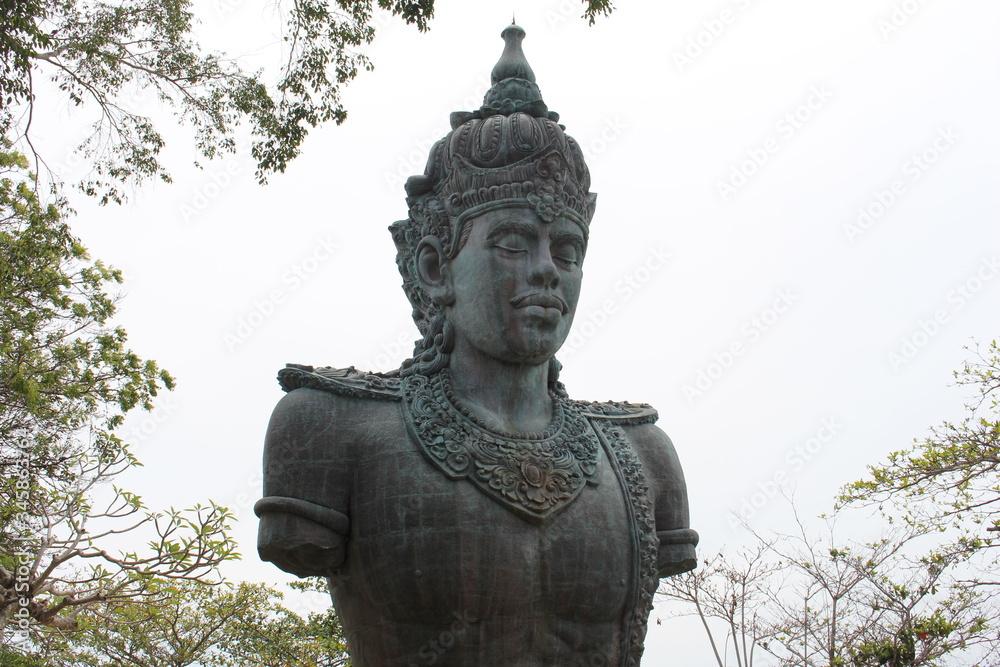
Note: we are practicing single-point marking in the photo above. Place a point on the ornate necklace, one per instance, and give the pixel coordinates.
(534, 475)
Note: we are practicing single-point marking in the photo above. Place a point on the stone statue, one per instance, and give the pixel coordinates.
(465, 510)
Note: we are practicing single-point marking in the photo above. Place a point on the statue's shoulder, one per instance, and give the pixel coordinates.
(348, 382)
(619, 411)
(639, 431)
(328, 409)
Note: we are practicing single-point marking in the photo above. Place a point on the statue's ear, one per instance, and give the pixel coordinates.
(432, 270)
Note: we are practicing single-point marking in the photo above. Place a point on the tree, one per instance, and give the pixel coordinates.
(98, 52)
(889, 601)
(55, 563)
(924, 591)
(60, 364)
(808, 600)
(317, 640)
(66, 381)
(210, 626)
(951, 478)
(832, 603)
(735, 592)
(13, 658)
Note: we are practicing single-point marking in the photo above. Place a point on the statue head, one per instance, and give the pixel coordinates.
(506, 173)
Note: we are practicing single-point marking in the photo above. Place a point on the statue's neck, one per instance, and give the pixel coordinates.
(510, 397)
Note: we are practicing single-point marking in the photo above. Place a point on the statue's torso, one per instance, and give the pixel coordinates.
(436, 572)
(548, 557)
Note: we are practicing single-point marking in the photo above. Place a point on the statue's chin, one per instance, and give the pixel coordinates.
(529, 341)
(537, 351)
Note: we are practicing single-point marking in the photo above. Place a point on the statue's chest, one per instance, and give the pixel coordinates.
(534, 475)
(425, 545)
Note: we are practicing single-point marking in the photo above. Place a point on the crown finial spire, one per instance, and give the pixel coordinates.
(512, 63)
(513, 88)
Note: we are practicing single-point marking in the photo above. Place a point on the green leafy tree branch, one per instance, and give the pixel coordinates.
(67, 379)
(98, 53)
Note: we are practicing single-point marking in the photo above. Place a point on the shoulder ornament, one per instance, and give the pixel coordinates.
(631, 413)
(341, 381)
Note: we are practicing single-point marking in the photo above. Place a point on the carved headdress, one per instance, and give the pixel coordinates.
(510, 153)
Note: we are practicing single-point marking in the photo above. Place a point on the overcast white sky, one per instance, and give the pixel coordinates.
(732, 144)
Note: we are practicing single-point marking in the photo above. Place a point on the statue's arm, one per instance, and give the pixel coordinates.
(670, 500)
(307, 467)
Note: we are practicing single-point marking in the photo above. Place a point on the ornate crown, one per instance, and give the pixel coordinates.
(511, 152)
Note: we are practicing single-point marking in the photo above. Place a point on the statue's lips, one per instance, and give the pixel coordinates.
(543, 299)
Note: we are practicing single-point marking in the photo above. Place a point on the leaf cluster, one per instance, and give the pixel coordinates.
(63, 367)
(106, 56)
(815, 599)
(226, 625)
(67, 379)
(951, 478)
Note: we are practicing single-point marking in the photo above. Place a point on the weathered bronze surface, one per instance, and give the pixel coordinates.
(465, 510)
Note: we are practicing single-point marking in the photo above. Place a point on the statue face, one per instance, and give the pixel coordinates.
(516, 284)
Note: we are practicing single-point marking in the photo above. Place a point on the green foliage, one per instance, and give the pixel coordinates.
(901, 650)
(595, 8)
(62, 366)
(813, 598)
(924, 592)
(211, 626)
(10, 657)
(67, 380)
(20, 37)
(951, 479)
(286, 638)
(55, 567)
(100, 53)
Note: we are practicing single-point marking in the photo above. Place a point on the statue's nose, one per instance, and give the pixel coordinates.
(543, 270)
